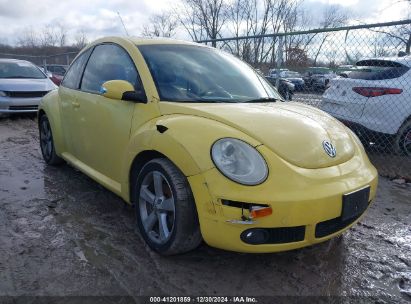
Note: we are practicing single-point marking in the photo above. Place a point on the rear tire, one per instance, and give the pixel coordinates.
(165, 208)
(402, 141)
(48, 150)
(287, 95)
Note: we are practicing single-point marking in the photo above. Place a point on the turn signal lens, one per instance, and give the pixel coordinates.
(374, 92)
(260, 212)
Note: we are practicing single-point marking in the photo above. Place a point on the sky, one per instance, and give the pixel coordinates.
(99, 18)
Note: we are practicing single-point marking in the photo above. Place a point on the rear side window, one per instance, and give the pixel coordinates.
(73, 75)
(378, 70)
(109, 62)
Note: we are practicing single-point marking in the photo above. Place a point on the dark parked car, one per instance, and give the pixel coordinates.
(295, 78)
(285, 87)
(318, 77)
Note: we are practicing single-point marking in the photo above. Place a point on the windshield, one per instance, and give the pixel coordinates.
(20, 69)
(187, 73)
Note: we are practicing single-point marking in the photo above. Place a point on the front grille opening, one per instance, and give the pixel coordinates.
(25, 94)
(334, 225)
(241, 205)
(280, 235)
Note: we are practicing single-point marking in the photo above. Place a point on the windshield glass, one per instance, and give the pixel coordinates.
(187, 73)
(20, 69)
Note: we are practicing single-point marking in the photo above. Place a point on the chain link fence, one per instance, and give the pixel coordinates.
(358, 74)
(44, 60)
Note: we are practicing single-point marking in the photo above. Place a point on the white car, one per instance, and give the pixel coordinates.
(375, 101)
(22, 85)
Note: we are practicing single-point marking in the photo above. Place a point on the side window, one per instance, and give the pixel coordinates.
(109, 62)
(73, 75)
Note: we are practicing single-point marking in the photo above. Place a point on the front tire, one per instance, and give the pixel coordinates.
(165, 208)
(48, 150)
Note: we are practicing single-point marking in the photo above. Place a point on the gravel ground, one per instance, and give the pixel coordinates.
(61, 234)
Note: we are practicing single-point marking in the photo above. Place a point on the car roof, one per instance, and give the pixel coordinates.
(143, 41)
(405, 60)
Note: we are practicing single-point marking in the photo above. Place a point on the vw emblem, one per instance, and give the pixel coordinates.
(329, 149)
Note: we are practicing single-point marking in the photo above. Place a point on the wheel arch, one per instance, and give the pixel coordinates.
(184, 163)
(138, 163)
(49, 106)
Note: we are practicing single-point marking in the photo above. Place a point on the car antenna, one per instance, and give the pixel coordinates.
(121, 20)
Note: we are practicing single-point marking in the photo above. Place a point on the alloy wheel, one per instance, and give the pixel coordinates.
(46, 140)
(157, 207)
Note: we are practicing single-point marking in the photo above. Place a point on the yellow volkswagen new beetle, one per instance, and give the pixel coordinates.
(204, 148)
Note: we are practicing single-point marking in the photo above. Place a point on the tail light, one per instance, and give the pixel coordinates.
(374, 91)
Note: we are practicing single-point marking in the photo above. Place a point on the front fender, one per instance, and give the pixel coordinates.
(49, 104)
(188, 139)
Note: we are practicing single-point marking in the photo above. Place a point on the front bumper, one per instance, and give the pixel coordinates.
(19, 105)
(301, 199)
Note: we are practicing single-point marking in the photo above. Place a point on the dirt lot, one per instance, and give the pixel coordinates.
(62, 234)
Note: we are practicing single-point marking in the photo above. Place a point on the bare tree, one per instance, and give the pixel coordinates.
(61, 34)
(401, 34)
(80, 39)
(260, 17)
(202, 18)
(28, 38)
(48, 36)
(333, 16)
(161, 25)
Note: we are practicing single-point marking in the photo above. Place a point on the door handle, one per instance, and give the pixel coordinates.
(75, 104)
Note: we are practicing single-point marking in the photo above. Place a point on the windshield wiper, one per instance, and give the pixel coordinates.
(263, 99)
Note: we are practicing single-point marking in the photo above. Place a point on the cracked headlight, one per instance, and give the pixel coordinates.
(239, 161)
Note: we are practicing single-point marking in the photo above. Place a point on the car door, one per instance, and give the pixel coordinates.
(68, 93)
(103, 125)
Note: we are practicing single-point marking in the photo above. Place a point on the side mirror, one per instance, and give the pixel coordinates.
(122, 90)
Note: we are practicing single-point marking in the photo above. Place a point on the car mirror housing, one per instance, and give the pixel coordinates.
(122, 90)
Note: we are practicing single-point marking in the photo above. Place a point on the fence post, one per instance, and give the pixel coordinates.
(279, 61)
(67, 59)
(45, 65)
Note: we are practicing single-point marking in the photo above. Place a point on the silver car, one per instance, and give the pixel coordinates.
(22, 85)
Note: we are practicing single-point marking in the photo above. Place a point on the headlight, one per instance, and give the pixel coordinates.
(239, 161)
(2, 94)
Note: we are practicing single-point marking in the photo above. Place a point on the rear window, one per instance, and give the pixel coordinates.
(378, 70)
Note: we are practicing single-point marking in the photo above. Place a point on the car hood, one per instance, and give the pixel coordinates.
(21, 85)
(293, 131)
